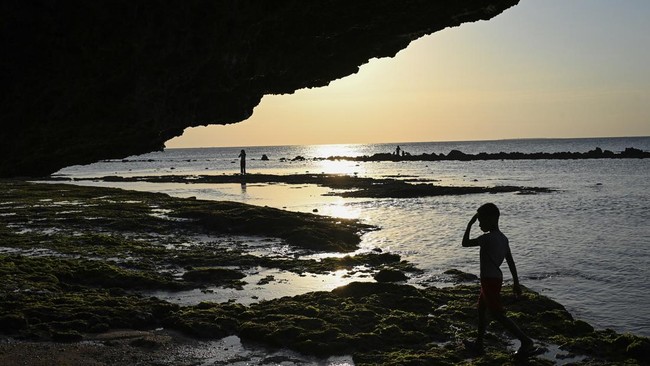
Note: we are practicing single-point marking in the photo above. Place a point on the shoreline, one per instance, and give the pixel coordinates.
(99, 254)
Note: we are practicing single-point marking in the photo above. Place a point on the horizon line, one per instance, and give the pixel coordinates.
(416, 142)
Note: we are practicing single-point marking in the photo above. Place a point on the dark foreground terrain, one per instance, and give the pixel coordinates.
(77, 265)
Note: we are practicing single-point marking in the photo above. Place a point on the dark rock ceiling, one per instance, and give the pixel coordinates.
(85, 80)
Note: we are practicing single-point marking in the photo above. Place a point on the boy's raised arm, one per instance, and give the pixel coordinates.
(467, 242)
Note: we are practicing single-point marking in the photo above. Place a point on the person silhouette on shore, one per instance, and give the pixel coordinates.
(494, 248)
(397, 150)
(242, 162)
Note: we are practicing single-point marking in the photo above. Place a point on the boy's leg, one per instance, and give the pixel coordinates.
(512, 327)
(527, 347)
(482, 321)
(477, 345)
(488, 300)
(491, 299)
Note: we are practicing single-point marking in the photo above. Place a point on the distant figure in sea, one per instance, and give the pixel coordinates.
(494, 248)
(397, 150)
(242, 163)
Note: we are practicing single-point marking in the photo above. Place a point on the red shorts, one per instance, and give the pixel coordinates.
(490, 296)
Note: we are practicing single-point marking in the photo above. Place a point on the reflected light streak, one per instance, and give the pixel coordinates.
(342, 210)
(325, 151)
(329, 281)
(340, 167)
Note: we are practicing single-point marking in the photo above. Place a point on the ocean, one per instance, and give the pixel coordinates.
(585, 245)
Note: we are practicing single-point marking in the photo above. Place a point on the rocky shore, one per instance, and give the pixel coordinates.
(78, 263)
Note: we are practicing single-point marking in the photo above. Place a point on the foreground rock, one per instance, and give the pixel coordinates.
(77, 264)
(88, 80)
(385, 324)
(56, 207)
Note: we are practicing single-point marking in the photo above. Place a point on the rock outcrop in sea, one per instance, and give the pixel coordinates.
(597, 153)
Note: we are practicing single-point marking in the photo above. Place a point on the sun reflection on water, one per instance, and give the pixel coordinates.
(325, 151)
(341, 209)
(338, 166)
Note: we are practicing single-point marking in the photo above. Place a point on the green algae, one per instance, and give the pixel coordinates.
(121, 225)
(215, 276)
(115, 210)
(207, 320)
(57, 298)
(89, 280)
(399, 324)
(38, 305)
(299, 229)
(378, 323)
(72, 244)
(79, 272)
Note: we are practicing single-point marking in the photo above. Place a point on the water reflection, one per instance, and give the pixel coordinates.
(337, 166)
(340, 208)
(340, 167)
(265, 284)
(325, 151)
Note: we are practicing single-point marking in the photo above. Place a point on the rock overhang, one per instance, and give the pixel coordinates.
(85, 81)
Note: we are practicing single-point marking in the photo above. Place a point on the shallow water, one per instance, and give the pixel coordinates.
(283, 283)
(585, 245)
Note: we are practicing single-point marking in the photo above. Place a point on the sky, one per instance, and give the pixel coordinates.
(542, 69)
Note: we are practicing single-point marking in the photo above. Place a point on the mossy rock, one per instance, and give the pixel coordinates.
(639, 349)
(58, 298)
(460, 276)
(212, 275)
(390, 275)
(67, 336)
(12, 323)
(207, 320)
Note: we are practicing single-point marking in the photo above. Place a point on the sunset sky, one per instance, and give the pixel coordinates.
(544, 68)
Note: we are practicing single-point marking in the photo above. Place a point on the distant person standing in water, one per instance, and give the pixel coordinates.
(494, 248)
(242, 164)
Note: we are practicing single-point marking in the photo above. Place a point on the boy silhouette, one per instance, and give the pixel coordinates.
(494, 249)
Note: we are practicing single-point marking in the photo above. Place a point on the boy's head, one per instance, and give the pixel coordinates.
(488, 217)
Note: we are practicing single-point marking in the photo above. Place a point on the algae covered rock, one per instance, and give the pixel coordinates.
(391, 324)
(460, 276)
(12, 323)
(212, 275)
(359, 316)
(207, 320)
(63, 295)
(390, 275)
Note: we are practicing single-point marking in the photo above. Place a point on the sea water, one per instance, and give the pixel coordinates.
(585, 245)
